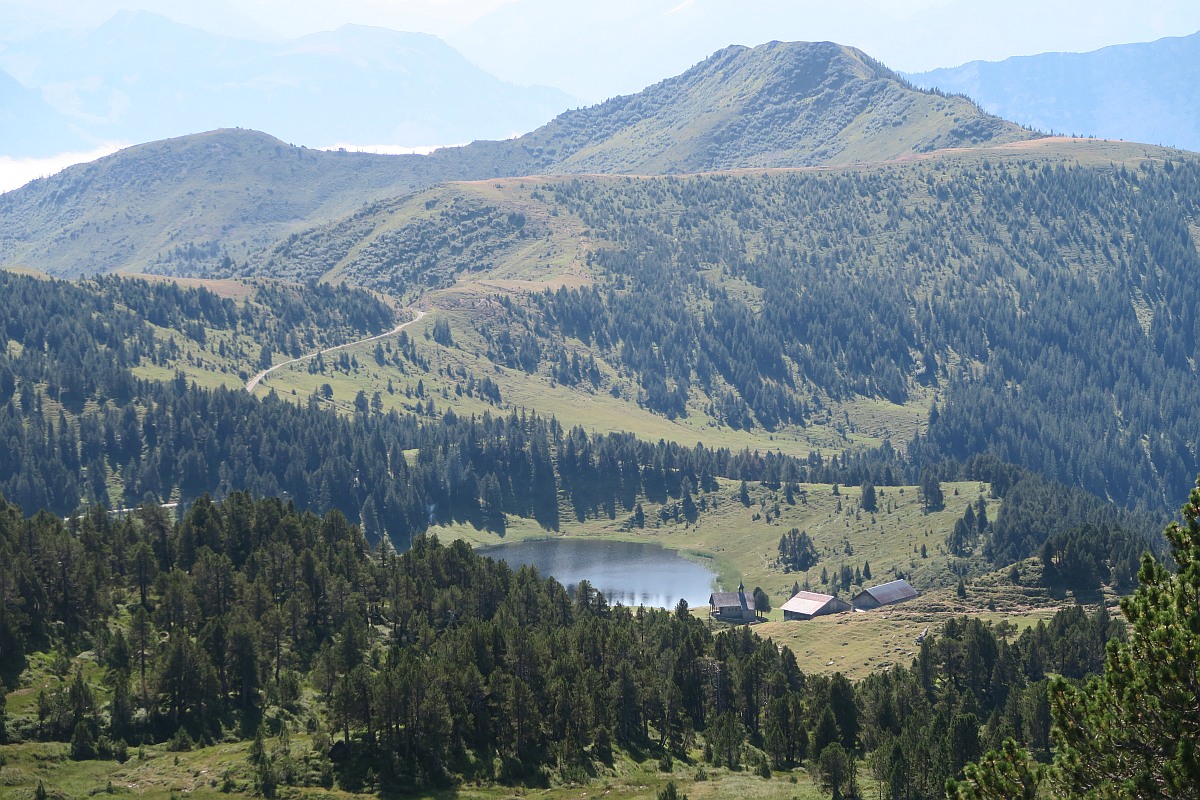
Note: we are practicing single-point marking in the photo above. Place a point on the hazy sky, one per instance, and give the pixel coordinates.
(909, 35)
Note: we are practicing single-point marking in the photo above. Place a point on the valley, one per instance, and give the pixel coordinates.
(783, 313)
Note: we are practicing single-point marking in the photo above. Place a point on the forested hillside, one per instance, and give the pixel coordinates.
(782, 365)
(78, 427)
(249, 621)
(1044, 307)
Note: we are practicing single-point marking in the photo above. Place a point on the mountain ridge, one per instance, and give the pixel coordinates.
(1143, 91)
(812, 103)
(131, 79)
(194, 192)
(776, 105)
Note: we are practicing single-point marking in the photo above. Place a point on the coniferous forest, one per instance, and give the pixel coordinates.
(1049, 302)
(974, 368)
(437, 665)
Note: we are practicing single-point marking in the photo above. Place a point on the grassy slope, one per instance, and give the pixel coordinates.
(779, 104)
(201, 774)
(233, 189)
(595, 410)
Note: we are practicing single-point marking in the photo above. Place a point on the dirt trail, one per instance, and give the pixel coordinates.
(253, 382)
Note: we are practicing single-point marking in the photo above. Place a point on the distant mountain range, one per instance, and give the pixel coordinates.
(29, 125)
(1148, 92)
(141, 77)
(175, 205)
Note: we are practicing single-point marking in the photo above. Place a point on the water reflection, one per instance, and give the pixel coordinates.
(630, 573)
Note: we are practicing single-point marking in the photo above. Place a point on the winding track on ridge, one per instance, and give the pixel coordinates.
(253, 382)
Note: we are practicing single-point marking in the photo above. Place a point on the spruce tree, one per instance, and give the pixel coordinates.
(869, 501)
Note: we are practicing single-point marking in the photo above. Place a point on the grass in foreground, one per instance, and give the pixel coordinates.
(222, 770)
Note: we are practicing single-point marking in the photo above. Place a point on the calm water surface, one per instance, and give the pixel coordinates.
(629, 573)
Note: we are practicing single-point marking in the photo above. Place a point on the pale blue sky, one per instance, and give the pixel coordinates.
(595, 48)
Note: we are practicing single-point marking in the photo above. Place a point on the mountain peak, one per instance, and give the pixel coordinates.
(137, 20)
(780, 104)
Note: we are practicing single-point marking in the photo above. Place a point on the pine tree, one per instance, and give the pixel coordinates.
(670, 792)
(1009, 774)
(762, 603)
(845, 710)
(931, 491)
(1135, 729)
(1132, 731)
(826, 732)
(835, 767)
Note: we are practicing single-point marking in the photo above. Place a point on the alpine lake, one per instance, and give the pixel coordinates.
(630, 573)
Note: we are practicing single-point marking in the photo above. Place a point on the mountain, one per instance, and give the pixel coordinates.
(642, 40)
(832, 370)
(31, 127)
(782, 104)
(140, 77)
(165, 205)
(180, 204)
(1145, 92)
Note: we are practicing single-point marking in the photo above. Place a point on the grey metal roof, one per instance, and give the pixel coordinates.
(893, 592)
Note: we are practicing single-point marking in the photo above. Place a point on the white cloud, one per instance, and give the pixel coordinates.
(16, 172)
